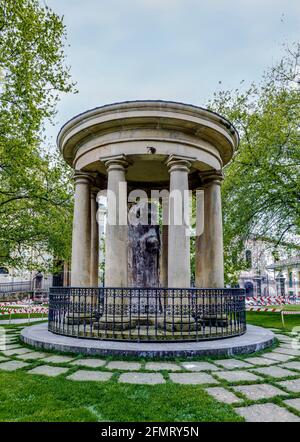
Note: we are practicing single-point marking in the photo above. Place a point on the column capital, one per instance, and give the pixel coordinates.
(211, 176)
(94, 192)
(81, 177)
(115, 162)
(177, 162)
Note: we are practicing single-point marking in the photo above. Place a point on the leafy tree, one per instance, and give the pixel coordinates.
(35, 189)
(262, 186)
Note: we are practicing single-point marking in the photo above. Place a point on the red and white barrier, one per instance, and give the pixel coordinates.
(22, 310)
(269, 300)
(259, 309)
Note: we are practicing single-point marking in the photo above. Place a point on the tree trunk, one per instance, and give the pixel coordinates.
(143, 255)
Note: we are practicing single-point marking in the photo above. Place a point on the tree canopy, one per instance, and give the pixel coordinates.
(262, 186)
(35, 189)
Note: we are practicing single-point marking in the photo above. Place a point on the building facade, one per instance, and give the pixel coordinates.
(270, 274)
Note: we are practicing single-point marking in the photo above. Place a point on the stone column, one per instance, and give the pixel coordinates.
(81, 239)
(66, 274)
(116, 244)
(179, 272)
(164, 244)
(101, 224)
(94, 240)
(209, 245)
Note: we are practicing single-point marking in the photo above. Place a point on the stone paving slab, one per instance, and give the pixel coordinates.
(278, 357)
(223, 395)
(192, 378)
(275, 372)
(294, 365)
(123, 365)
(9, 347)
(17, 351)
(88, 375)
(5, 339)
(294, 403)
(2, 359)
(283, 338)
(48, 370)
(58, 359)
(7, 343)
(259, 391)
(288, 351)
(12, 365)
(232, 363)
(93, 363)
(10, 335)
(2, 344)
(237, 376)
(287, 347)
(158, 366)
(266, 413)
(261, 361)
(142, 378)
(292, 385)
(32, 356)
(199, 366)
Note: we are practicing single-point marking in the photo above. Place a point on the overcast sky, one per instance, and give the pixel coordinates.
(169, 49)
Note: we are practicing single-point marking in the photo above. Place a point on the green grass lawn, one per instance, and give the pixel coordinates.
(284, 307)
(38, 398)
(27, 398)
(273, 320)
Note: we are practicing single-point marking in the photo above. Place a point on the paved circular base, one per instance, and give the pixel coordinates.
(255, 339)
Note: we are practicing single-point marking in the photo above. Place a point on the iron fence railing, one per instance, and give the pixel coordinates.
(147, 314)
(15, 287)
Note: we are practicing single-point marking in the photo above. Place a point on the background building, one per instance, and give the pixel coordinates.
(269, 272)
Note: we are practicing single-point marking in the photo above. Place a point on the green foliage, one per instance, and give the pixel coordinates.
(262, 187)
(35, 189)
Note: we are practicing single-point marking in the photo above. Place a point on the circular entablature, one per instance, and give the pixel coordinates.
(147, 133)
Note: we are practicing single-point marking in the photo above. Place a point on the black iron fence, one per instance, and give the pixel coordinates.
(154, 314)
(16, 287)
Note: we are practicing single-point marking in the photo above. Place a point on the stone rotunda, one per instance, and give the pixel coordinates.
(148, 146)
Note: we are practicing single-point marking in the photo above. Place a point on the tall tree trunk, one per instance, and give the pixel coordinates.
(143, 255)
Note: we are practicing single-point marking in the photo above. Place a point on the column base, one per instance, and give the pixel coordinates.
(214, 321)
(178, 324)
(79, 318)
(111, 322)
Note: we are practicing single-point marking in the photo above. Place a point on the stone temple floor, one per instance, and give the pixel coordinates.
(263, 387)
(253, 340)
